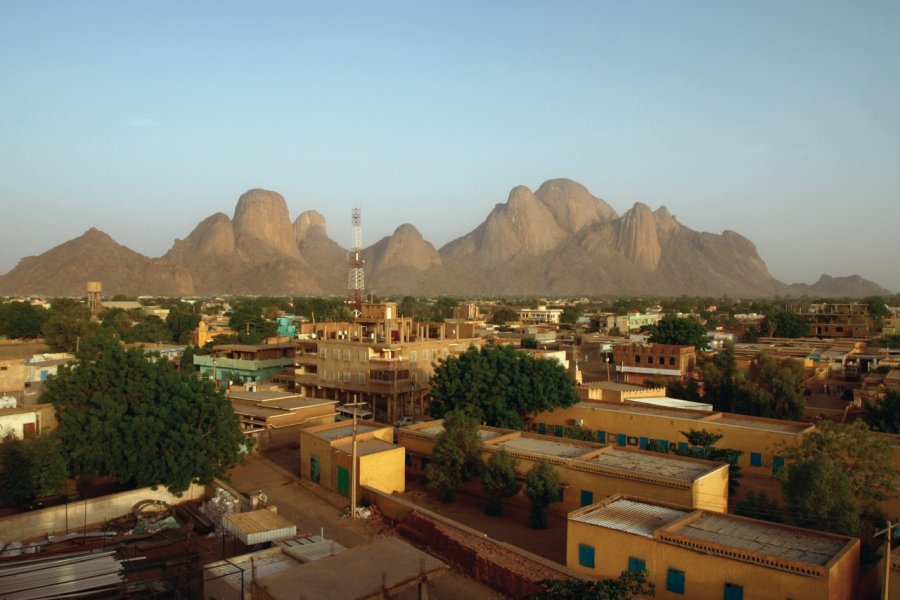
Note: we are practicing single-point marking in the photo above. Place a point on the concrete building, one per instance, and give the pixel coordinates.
(27, 422)
(12, 379)
(588, 471)
(326, 451)
(836, 320)
(240, 363)
(541, 314)
(698, 554)
(632, 321)
(381, 359)
(274, 419)
(636, 363)
(40, 367)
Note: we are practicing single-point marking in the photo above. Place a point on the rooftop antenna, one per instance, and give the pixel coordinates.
(356, 281)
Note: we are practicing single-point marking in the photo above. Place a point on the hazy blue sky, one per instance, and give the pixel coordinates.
(779, 120)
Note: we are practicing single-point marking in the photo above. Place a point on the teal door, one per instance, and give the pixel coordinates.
(315, 469)
(777, 464)
(343, 481)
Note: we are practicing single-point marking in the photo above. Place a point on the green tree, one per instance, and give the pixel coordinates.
(68, 324)
(500, 386)
(118, 322)
(152, 329)
(16, 473)
(885, 415)
(248, 323)
(181, 324)
(774, 389)
(784, 324)
(49, 468)
(21, 320)
(628, 586)
(542, 488)
(456, 457)
(864, 457)
(681, 331)
(122, 415)
(719, 379)
(570, 314)
(702, 444)
(503, 315)
(499, 480)
(821, 497)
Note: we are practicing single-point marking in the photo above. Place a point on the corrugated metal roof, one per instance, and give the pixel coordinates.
(311, 548)
(60, 576)
(638, 518)
(653, 464)
(545, 447)
(258, 526)
(789, 543)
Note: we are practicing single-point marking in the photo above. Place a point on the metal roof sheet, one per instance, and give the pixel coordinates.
(638, 518)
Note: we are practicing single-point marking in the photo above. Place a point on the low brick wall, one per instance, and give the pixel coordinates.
(61, 519)
(508, 569)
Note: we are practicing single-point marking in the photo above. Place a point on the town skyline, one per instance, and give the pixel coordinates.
(772, 121)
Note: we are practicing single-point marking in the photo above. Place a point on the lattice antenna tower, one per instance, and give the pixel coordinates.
(357, 281)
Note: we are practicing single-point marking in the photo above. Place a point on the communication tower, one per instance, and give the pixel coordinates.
(356, 285)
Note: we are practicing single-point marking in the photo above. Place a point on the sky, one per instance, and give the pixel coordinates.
(778, 120)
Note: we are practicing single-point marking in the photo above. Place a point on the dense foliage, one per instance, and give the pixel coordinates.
(456, 457)
(702, 444)
(21, 320)
(628, 586)
(885, 414)
(542, 488)
(499, 480)
(682, 331)
(500, 386)
(783, 324)
(31, 469)
(142, 421)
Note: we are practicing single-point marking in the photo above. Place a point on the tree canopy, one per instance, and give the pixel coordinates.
(499, 385)
(542, 488)
(143, 422)
(499, 480)
(885, 414)
(782, 323)
(774, 388)
(456, 457)
(681, 331)
(21, 320)
(627, 586)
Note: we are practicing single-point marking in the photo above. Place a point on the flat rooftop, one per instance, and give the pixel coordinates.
(615, 386)
(639, 518)
(346, 430)
(367, 447)
(762, 423)
(645, 410)
(544, 446)
(263, 396)
(654, 464)
(756, 536)
(436, 430)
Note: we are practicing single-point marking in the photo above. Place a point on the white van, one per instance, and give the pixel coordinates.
(345, 413)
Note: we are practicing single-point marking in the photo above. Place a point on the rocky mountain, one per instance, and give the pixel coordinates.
(852, 286)
(558, 240)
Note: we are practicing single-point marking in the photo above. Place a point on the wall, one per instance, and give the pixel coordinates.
(12, 378)
(705, 574)
(312, 445)
(14, 421)
(384, 471)
(71, 517)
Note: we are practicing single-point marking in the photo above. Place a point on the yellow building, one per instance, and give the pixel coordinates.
(326, 457)
(588, 471)
(697, 554)
(632, 425)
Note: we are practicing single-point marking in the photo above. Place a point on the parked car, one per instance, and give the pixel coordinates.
(404, 421)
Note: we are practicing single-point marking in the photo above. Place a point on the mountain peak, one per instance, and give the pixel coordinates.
(263, 215)
(307, 220)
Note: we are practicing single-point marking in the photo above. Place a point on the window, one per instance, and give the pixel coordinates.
(346, 376)
(649, 360)
(363, 356)
(636, 565)
(755, 459)
(336, 354)
(671, 361)
(412, 355)
(587, 497)
(601, 437)
(675, 581)
(542, 428)
(558, 430)
(323, 353)
(425, 355)
(777, 464)
(323, 375)
(733, 592)
(560, 493)
(424, 462)
(346, 354)
(361, 378)
(637, 359)
(586, 556)
(643, 442)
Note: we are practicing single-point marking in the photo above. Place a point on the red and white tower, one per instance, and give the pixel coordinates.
(356, 281)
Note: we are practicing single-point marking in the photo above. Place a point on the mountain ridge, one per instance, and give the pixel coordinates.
(557, 240)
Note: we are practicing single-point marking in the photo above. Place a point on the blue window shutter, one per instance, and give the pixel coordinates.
(755, 459)
(558, 431)
(665, 445)
(675, 581)
(622, 439)
(643, 442)
(777, 464)
(682, 445)
(601, 437)
(636, 565)
(733, 592)
(542, 428)
(587, 497)
(586, 556)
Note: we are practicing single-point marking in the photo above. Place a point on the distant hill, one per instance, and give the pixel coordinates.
(558, 240)
(852, 286)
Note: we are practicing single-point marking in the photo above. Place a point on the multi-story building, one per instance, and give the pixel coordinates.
(632, 321)
(638, 362)
(541, 314)
(698, 554)
(244, 363)
(381, 359)
(849, 320)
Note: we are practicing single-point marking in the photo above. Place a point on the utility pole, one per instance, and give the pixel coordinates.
(888, 533)
(353, 456)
